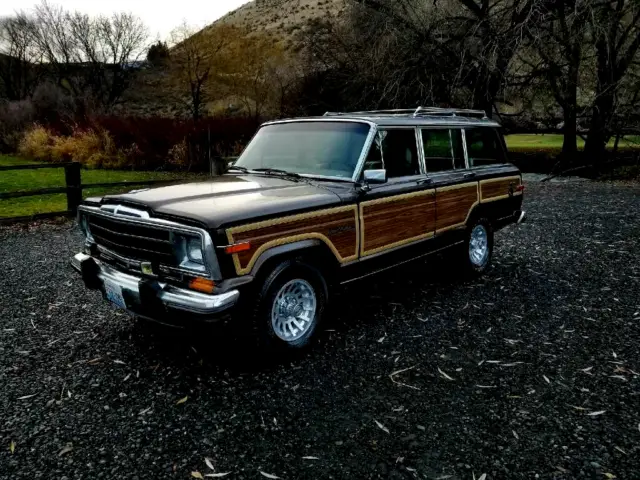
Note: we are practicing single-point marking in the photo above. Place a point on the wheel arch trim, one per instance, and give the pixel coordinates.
(285, 246)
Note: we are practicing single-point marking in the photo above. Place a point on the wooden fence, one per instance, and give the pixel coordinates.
(73, 189)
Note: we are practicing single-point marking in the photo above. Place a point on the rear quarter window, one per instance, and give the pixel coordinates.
(484, 147)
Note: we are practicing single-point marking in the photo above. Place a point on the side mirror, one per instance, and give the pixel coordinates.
(375, 176)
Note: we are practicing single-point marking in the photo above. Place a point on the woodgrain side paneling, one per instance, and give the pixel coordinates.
(338, 228)
(498, 188)
(398, 220)
(454, 204)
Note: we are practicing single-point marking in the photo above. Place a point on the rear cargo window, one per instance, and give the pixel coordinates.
(484, 147)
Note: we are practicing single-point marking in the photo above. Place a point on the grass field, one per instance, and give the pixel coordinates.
(553, 142)
(22, 180)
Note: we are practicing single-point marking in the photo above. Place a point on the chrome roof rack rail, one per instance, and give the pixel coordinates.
(417, 112)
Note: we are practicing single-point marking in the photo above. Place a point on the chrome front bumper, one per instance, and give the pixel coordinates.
(143, 296)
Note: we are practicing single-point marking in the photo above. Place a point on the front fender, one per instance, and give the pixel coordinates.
(286, 249)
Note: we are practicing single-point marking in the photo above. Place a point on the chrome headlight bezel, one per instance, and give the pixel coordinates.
(190, 252)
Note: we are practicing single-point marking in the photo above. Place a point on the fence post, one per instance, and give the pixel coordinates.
(74, 186)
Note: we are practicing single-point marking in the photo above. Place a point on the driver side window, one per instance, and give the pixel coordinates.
(396, 151)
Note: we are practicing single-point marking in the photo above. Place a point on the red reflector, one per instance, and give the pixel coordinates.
(238, 247)
(520, 188)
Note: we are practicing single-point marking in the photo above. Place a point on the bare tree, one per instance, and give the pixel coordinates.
(557, 40)
(373, 61)
(57, 45)
(195, 59)
(482, 35)
(86, 57)
(615, 32)
(18, 56)
(259, 74)
(110, 49)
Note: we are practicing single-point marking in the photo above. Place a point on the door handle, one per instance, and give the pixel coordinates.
(469, 175)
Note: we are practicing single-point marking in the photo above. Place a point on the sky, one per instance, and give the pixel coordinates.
(160, 16)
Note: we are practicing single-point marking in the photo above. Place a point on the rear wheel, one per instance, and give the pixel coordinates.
(478, 247)
(289, 307)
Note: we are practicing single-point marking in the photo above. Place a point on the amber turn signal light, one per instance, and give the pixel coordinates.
(237, 248)
(202, 285)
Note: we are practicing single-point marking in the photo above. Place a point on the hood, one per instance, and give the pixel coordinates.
(229, 199)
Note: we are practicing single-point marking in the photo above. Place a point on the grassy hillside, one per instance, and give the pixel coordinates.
(281, 18)
(162, 91)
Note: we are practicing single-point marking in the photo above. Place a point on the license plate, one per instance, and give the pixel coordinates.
(113, 292)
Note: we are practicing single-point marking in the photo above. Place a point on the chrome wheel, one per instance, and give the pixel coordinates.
(479, 246)
(294, 310)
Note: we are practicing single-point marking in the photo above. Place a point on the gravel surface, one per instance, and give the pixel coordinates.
(530, 372)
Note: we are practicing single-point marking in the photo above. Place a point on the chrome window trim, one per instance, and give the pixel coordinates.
(464, 147)
(212, 267)
(357, 174)
(445, 174)
(453, 155)
(490, 166)
(421, 156)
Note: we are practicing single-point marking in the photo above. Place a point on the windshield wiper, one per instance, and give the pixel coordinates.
(276, 171)
(239, 168)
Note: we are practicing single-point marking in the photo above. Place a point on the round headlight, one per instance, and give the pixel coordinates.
(194, 250)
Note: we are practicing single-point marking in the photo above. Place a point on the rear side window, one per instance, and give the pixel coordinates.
(400, 152)
(442, 149)
(484, 147)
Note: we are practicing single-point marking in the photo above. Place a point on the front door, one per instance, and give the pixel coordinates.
(401, 211)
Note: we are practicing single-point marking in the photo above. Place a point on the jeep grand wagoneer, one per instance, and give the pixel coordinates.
(310, 204)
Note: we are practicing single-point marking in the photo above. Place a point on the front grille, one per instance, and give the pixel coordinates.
(133, 241)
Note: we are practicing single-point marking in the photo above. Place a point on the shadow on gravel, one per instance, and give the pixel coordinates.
(220, 351)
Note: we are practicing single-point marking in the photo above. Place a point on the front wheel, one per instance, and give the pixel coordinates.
(289, 307)
(479, 247)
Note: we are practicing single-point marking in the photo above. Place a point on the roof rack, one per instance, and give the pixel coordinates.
(417, 112)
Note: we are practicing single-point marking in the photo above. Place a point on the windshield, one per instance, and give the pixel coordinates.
(329, 149)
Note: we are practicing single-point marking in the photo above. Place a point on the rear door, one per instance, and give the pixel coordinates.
(402, 210)
(456, 187)
(499, 182)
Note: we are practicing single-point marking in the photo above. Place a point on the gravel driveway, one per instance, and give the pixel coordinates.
(531, 372)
